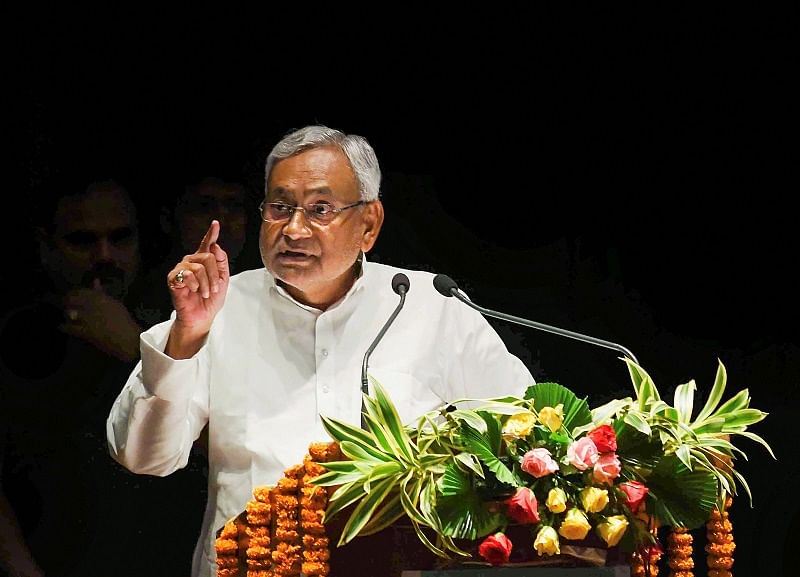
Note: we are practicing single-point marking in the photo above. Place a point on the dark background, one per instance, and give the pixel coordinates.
(629, 178)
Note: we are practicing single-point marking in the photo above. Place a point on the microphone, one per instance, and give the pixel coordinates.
(400, 285)
(448, 287)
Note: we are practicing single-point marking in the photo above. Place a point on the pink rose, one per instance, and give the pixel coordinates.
(539, 463)
(606, 468)
(604, 437)
(496, 549)
(582, 454)
(635, 492)
(523, 507)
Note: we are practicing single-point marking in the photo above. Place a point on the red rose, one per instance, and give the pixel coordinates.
(651, 553)
(496, 549)
(604, 437)
(635, 492)
(523, 507)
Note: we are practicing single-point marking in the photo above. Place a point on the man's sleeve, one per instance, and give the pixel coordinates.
(481, 365)
(161, 410)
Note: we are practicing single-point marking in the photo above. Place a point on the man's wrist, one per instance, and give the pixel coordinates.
(184, 342)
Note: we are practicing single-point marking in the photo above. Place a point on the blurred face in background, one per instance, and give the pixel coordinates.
(205, 201)
(93, 241)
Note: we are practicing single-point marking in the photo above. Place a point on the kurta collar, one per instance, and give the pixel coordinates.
(358, 286)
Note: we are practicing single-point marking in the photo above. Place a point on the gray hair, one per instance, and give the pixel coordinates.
(356, 148)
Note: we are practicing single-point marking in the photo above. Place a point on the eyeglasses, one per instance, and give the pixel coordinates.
(321, 213)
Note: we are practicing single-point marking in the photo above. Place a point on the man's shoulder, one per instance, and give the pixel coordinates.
(385, 272)
(251, 281)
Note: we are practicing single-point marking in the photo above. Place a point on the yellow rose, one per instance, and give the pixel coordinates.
(593, 499)
(612, 529)
(546, 542)
(519, 426)
(552, 418)
(556, 500)
(575, 525)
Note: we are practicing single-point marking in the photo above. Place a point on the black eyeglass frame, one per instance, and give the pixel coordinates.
(306, 212)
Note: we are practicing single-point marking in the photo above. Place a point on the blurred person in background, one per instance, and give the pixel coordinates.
(66, 508)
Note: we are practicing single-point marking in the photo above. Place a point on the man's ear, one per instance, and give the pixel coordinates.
(373, 220)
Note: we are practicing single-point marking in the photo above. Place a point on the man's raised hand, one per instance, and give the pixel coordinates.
(198, 285)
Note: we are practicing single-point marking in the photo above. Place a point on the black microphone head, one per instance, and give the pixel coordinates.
(400, 280)
(444, 284)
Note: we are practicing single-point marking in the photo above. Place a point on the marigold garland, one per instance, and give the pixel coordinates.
(679, 553)
(227, 547)
(720, 547)
(280, 533)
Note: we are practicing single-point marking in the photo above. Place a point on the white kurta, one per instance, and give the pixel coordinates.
(271, 366)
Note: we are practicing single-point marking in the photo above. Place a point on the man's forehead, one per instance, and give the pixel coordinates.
(312, 169)
(100, 212)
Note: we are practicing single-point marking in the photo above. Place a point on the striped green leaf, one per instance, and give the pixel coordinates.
(636, 421)
(758, 439)
(364, 510)
(715, 396)
(397, 437)
(391, 511)
(684, 400)
(344, 432)
(743, 417)
(739, 401)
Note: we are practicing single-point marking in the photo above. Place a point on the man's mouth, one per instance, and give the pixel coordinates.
(293, 256)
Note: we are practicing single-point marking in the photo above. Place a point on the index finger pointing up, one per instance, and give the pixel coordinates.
(211, 236)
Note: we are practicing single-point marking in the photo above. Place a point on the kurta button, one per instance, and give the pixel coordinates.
(325, 388)
(324, 352)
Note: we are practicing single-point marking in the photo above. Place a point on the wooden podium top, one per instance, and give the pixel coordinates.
(616, 571)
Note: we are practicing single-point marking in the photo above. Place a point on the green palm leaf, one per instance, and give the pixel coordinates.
(637, 448)
(467, 516)
(493, 434)
(479, 445)
(454, 482)
(576, 411)
(683, 498)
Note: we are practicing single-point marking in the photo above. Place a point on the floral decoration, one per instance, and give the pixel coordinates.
(545, 460)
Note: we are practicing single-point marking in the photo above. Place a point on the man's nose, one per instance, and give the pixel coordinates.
(104, 248)
(297, 225)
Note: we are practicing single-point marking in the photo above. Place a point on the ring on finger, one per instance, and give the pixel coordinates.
(179, 277)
